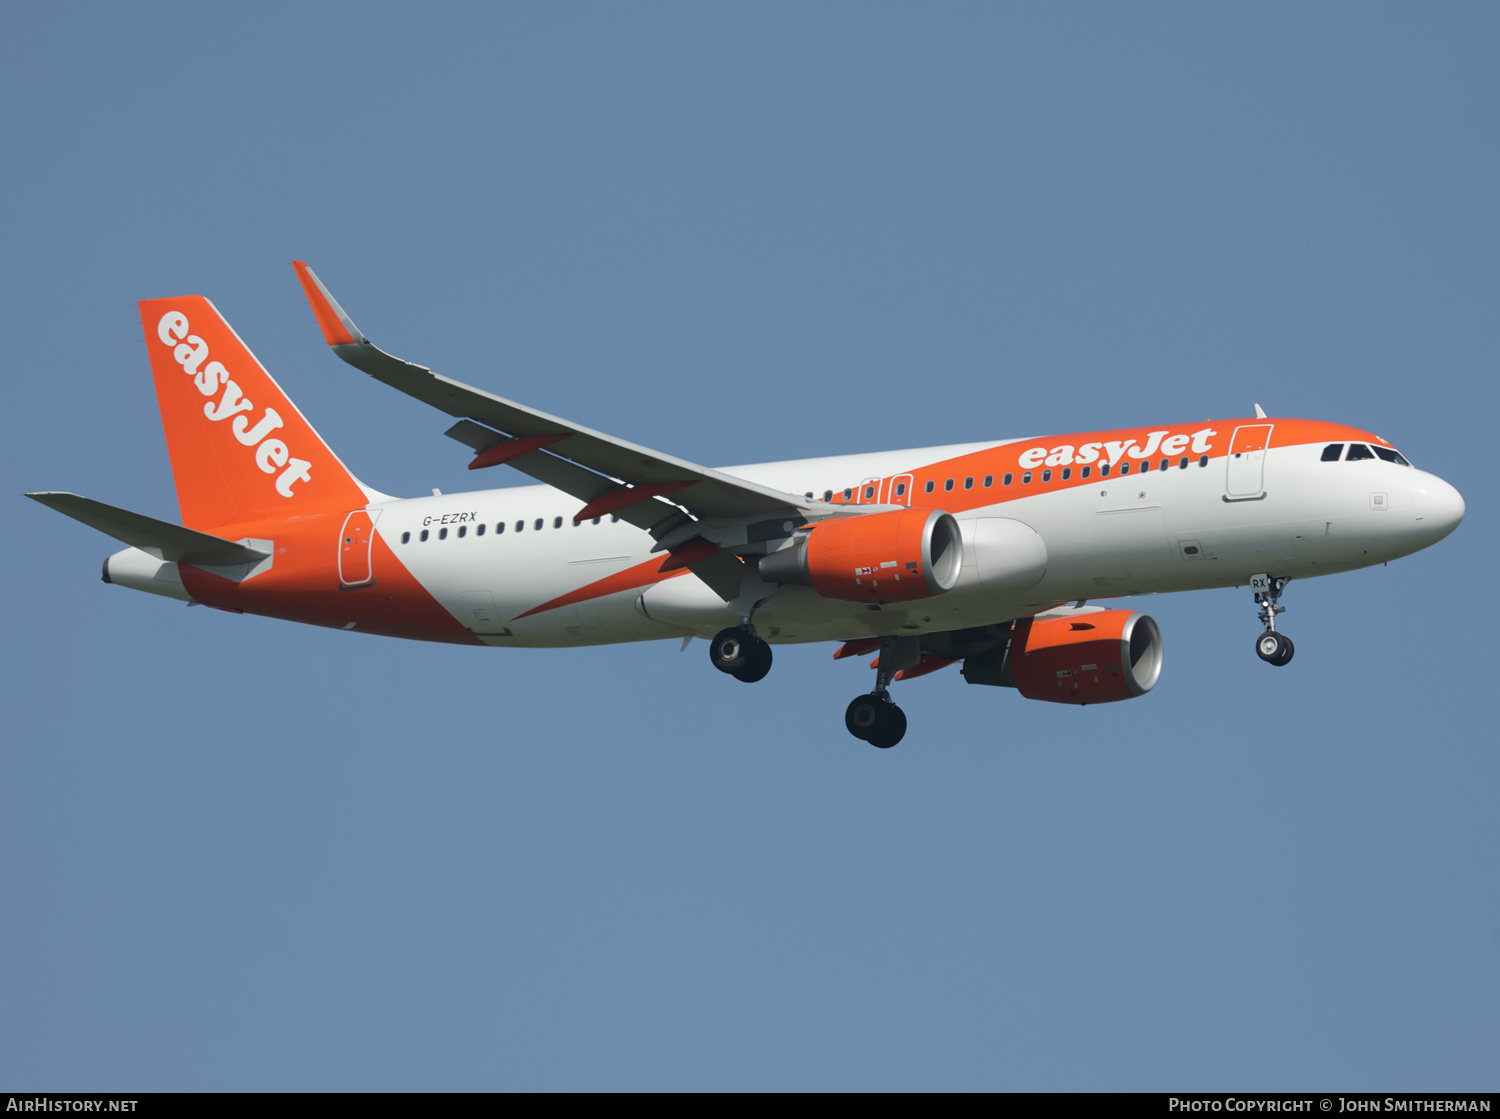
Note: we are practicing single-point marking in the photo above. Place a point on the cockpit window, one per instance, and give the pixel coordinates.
(1358, 451)
(1391, 456)
(1333, 452)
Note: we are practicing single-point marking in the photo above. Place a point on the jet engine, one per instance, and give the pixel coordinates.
(1088, 658)
(878, 557)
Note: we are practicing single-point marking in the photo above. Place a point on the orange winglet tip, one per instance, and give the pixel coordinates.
(857, 647)
(616, 500)
(694, 550)
(337, 328)
(513, 448)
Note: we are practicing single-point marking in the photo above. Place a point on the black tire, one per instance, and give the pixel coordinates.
(864, 714)
(730, 650)
(1268, 646)
(1287, 650)
(890, 730)
(759, 658)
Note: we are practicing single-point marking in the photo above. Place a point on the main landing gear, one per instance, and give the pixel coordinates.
(740, 653)
(1271, 647)
(874, 718)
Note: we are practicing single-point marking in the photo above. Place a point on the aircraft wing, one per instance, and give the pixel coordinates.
(610, 475)
(169, 541)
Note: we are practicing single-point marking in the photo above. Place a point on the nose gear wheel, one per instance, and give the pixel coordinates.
(1272, 647)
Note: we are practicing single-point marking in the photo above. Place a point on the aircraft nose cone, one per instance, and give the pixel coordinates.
(1442, 508)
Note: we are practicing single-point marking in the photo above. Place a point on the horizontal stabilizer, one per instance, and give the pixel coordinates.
(162, 538)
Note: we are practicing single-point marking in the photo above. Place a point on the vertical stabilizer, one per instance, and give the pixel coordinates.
(240, 449)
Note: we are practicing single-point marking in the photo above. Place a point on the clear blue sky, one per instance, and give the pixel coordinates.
(236, 853)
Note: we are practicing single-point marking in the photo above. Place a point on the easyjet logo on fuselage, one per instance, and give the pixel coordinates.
(1157, 442)
(213, 380)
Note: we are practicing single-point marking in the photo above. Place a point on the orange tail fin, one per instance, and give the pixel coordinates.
(240, 449)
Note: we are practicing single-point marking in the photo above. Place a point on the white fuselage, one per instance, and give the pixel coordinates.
(1029, 549)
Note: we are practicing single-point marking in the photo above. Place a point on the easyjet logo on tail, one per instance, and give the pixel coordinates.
(213, 380)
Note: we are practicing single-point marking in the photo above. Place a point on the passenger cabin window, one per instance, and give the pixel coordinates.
(520, 525)
(463, 530)
(989, 480)
(614, 518)
(538, 523)
(557, 522)
(1104, 470)
(968, 483)
(1145, 466)
(1333, 452)
(1086, 471)
(1026, 478)
(928, 487)
(1358, 451)
(827, 495)
(597, 520)
(499, 528)
(423, 537)
(1067, 472)
(1046, 475)
(405, 537)
(479, 530)
(948, 485)
(442, 534)
(869, 492)
(1183, 464)
(1202, 460)
(900, 489)
(1166, 462)
(1124, 468)
(1007, 480)
(848, 494)
(1391, 456)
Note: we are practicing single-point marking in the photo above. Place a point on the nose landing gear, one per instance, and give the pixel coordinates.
(1271, 647)
(738, 652)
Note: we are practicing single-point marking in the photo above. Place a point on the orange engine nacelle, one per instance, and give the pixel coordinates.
(1089, 658)
(877, 557)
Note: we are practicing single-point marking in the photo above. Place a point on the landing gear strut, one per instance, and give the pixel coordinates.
(874, 718)
(740, 653)
(1271, 647)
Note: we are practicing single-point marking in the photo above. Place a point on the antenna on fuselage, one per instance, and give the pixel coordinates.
(1260, 413)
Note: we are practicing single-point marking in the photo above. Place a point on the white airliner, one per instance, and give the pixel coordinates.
(984, 553)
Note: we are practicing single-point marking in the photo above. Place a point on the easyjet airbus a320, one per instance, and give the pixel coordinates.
(984, 553)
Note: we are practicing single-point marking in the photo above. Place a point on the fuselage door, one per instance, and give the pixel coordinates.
(356, 539)
(1247, 461)
(900, 493)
